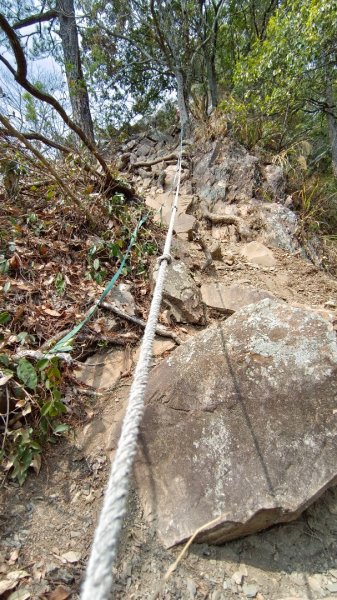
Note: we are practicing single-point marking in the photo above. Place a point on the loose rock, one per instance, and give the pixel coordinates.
(181, 294)
(123, 299)
(239, 423)
(258, 254)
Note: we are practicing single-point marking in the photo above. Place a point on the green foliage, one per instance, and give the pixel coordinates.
(36, 390)
(27, 374)
(60, 283)
(282, 79)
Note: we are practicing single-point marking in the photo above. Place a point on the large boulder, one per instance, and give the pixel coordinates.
(240, 424)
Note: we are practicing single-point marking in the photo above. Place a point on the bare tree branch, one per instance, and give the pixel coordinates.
(20, 76)
(37, 18)
(68, 193)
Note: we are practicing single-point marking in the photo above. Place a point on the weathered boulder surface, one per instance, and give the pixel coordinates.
(240, 423)
(227, 172)
(275, 183)
(280, 227)
(181, 294)
(229, 298)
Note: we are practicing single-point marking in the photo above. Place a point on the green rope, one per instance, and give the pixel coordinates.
(64, 345)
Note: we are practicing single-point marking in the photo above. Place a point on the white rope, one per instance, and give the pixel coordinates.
(98, 580)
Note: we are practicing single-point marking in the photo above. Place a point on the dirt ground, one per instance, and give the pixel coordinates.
(48, 524)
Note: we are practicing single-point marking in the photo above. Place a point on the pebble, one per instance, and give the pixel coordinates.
(227, 584)
(191, 587)
(55, 573)
(332, 587)
(239, 575)
(250, 590)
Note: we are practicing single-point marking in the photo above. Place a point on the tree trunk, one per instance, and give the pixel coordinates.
(212, 84)
(182, 104)
(332, 125)
(78, 92)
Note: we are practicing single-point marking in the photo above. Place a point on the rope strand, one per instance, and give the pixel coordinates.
(98, 581)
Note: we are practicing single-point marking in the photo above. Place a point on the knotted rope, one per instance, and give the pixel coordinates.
(98, 580)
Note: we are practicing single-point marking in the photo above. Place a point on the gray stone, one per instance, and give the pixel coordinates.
(238, 576)
(185, 225)
(239, 425)
(226, 173)
(191, 587)
(216, 595)
(181, 295)
(332, 587)
(215, 251)
(258, 254)
(228, 299)
(275, 183)
(250, 590)
(161, 203)
(280, 227)
(121, 296)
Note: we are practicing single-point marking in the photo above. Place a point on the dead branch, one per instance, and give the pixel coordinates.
(32, 135)
(172, 156)
(38, 355)
(121, 339)
(20, 75)
(160, 330)
(225, 219)
(50, 168)
(37, 18)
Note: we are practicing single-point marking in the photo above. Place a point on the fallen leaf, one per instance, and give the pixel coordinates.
(60, 593)
(6, 585)
(16, 575)
(71, 556)
(20, 285)
(20, 595)
(36, 463)
(14, 261)
(15, 554)
(51, 313)
(5, 378)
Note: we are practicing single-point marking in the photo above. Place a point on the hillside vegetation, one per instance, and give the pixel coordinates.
(77, 80)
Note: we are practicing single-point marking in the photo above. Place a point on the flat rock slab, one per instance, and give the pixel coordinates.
(228, 299)
(103, 369)
(240, 424)
(161, 203)
(258, 254)
(185, 225)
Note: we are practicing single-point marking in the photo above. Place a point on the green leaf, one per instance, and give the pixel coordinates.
(60, 428)
(27, 373)
(4, 318)
(4, 360)
(46, 408)
(42, 364)
(22, 336)
(96, 264)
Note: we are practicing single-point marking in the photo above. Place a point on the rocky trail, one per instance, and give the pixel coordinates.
(239, 270)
